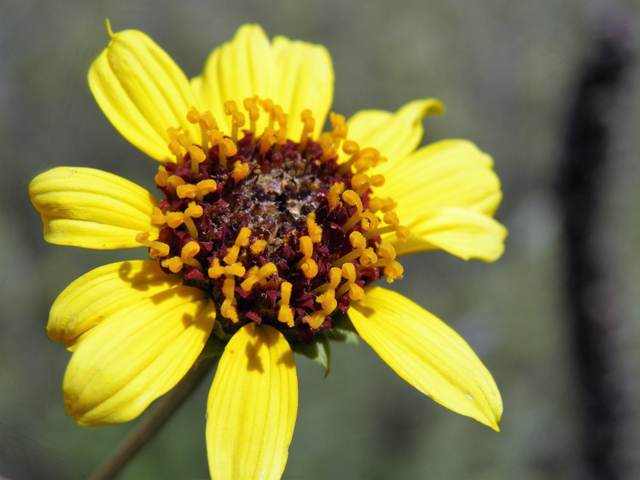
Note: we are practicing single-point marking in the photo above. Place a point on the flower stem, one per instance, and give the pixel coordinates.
(145, 431)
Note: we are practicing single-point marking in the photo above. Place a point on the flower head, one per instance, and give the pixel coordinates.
(267, 239)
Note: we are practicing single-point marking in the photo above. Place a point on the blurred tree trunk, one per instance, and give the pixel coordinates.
(591, 298)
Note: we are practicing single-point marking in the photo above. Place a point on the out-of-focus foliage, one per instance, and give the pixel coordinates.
(505, 70)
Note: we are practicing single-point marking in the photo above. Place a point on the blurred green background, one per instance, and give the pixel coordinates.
(506, 71)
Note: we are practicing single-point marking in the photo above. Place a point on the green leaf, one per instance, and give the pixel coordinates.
(344, 331)
(318, 350)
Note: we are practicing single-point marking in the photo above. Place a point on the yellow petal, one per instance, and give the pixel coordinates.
(128, 360)
(90, 208)
(252, 406)
(461, 232)
(428, 354)
(450, 173)
(103, 292)
(239, 69)
(395, 135)
(304, 80)
(141, 91)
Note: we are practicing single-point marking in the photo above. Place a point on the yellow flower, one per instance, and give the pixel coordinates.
(268, 234)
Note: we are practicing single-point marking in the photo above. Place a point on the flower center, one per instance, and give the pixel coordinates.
(275, 230)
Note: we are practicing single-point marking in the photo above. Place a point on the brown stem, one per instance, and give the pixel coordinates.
(151, 425)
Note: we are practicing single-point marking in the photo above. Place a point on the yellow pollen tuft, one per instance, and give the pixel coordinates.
(175, 146)
(228, 309)
(240, 171)
(355, 291)
(334, 277)
(306, 246)
(267, 140)
(361, 182)
(393, 225)
(328, 301)
(350, 147)
(349, 272)
(205, 187)
(309, 124)
(174, 264)
(216, 270)
(250, 105)
(307, 264)
(339, 127)
(267, 104)
(193, 211)
(206, 123)
(274, 111)
(359, 243)
(237, 118)
(226, 146)
(352, 199)
(157, 217)
(230, 107)
(360, 159)
(384, 205)
(162, 177)
(236, 269)
(368, 258)
(242, 240)
(189, 251)
(186, 191)
(173, 182)
(369, 221)
(393, 271)
(309, 268)
(387, 251)
(259, 276)
(156, 249)
(377, 180)
(368, 157)
(315, 319)
(330, 146)
(258, 247)
(174, 219)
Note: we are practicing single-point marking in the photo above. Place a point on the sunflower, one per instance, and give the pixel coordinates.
(267, 241)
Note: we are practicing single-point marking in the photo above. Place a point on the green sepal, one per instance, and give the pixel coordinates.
(213, 348)
(318, 350)
(344, 331)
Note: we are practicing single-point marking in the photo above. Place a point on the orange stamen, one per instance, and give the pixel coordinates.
(309, 124)
(333, 197)
(315, 231)
(359, 243)
(240, 171)
(352, 199)
(156, 248)
(259, 276)
(242, 240)
(285, 314)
